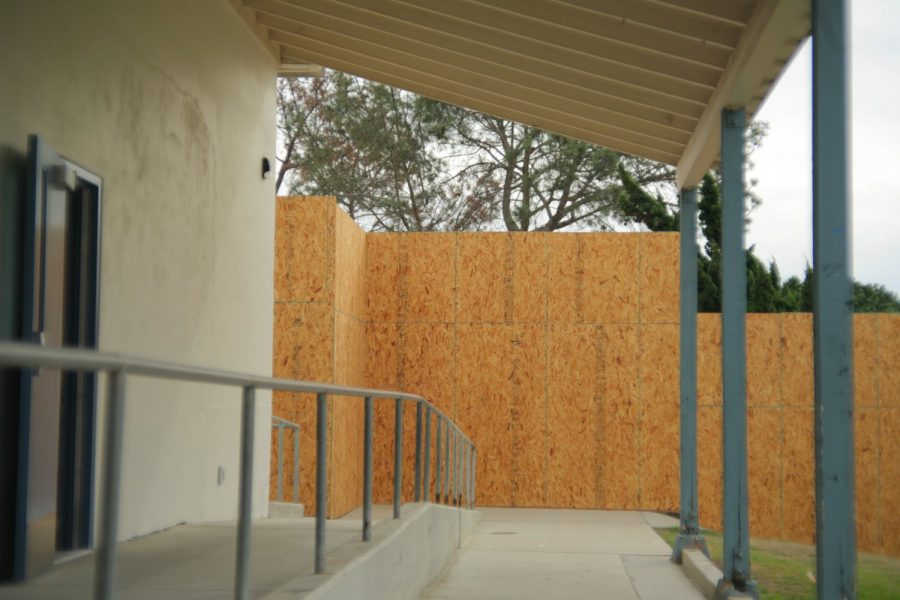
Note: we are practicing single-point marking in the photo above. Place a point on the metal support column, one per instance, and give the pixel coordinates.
(367, 469)
(689, 535)
(832, 303)
(245, 496)
(736, 549)
(398, 455)
(426, 494)
(105, 567)
(321, 478)
(446, 488)
(417, 494)
(438, 482)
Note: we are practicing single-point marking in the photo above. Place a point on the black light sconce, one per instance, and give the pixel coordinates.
(266, 168)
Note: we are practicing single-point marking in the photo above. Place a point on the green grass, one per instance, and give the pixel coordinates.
(786, 570)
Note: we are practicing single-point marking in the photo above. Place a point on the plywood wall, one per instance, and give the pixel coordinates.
(533, 342)
(558, 354)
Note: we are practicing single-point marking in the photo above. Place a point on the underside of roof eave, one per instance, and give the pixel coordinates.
(773, 35)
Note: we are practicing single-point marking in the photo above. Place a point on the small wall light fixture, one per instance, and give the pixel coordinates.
(266, 168)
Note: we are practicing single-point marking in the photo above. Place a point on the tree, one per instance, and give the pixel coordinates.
(398, 161)
(765, 290)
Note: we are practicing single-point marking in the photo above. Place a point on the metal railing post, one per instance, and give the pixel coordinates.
(438, 488)
(398, 455)
(105, 568)
(474, 476)
(426, 494)
(367, 471)
(279, 494)
(454, 485)
(297, 465)
(321, 478)
(418, 468)
(446, 490)
(245, 496)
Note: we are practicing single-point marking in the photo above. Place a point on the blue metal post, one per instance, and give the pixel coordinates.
(367, 469)
(689, 535)
(426, 494)
(245, 496)
(833, 308)
(736, 526)
(321, 478)
(398, 455)
(417, 478)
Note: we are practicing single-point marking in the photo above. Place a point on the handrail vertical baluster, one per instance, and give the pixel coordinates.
(245, 495)
(426, 493)
(417, 494)
(367, 471)
(446, 490)
(279, 493)
(105, 568)
(398, 455)
(438, 487)
(297, 464)
(321, 478)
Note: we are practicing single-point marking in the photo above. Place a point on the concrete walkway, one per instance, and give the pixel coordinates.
(522, 554)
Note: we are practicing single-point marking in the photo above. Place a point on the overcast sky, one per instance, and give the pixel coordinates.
(782, 227)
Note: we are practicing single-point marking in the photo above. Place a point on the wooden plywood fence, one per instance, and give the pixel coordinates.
(558, 354)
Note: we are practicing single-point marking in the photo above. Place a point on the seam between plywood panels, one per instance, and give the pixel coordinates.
(640, 375)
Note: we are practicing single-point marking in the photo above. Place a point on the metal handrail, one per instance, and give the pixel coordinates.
(282, 424)
(459, 490)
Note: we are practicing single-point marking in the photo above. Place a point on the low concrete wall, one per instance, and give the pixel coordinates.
(403, 558)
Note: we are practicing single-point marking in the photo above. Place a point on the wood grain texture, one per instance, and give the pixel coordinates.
(530, 277)
(528, 415)
(573, 380)
(889, 353)
(564, 272)
(304, 248)
(763, 360)
(709, 359)
(428, 267)
(889, 476)
(350, 266)
(383, 291)
(483, 267)
(609, 274)
(868, 481)
(799, 475)
(659, 277)
(865, 360)
(618, 482)
(797, 360)
(659, 416)
(709, 466)
(765, 448)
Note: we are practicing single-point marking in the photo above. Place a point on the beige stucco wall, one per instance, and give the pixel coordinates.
(173, 104)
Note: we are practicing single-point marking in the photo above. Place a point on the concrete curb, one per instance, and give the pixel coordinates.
(403, 558)
(701, 571)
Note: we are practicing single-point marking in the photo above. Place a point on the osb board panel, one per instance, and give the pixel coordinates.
(709, 359)
(573, 382)
(797, 360)
(889, 350)
(484, 398)
(564, 292)
(300, 409)
(304, 248)
(382, 276)
(659, 417)
(889, 474)
(350, 266)
(530, 263)
(799, 475)
(426, 366)
(303, 341)
(528, 415)
(763, 360)
(619, 449)
(485, 271)
(383, 372)
(350, 350)
(609, 277)
(345, 468)
(764, 454)
(865, 360)
(659, 278)
(868, 514)
(428, 270)
(709, 466)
